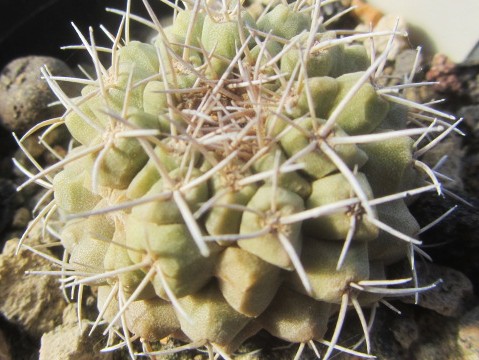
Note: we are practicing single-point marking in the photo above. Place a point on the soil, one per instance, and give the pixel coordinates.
(445, 325)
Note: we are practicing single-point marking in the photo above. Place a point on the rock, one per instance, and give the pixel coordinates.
(34, 302)
(404, 63)
(4, 348)
(6, 152)
(433, 351)
(70, 315)
(387, 23)
(405, 329)
(24, 96)
(453, 242)
(383, 342)
(386, 342)
(473, 85)
(445, 72)
(450, 297)
(21, 218)
(403, 66)
(471, 172)
(69, 342)
(437, 340)
(471, 116)
(468, 335)
(453, 166)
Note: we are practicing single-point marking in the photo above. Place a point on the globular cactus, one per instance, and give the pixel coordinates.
(239, 173)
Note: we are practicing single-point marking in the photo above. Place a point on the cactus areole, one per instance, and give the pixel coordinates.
(240, 172)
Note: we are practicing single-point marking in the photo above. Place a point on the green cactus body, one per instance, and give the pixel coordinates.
(234, 175)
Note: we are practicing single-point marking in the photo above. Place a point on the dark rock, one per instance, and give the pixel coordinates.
(471, 172)
(405, 329)
(449, 298)
(454, 242)
(453, 166)
(383, 342)
(471, 116)
(21, 345)
(473, 86)
(471, 159)
(437, 339)
(7, 197)
(5, 353)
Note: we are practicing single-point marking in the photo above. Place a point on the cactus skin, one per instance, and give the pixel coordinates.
(227, 178)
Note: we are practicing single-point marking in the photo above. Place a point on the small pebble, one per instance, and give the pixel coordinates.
(24, 96)
(386, 23)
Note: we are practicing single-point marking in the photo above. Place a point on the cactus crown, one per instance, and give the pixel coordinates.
(243, 171)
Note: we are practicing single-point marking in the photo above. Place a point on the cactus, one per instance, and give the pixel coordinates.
(238, 173)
